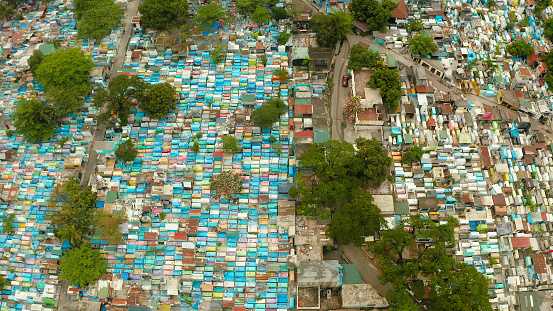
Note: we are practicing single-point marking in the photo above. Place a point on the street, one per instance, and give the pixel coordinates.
(339, 93)
(100, 131)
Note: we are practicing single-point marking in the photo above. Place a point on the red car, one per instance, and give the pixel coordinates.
(345, 81)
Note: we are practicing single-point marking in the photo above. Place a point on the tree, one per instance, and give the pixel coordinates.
(226, 185)
(75, 236)
(261, 15)
(98, 21)
(159, 99)
(218, 54)
(35, 119)
(65, 73)
(82, 266)
(415, 25)
(375, 161)
(520, 48)
(361, 56)
(107, 224)
(283, 38)
(352, 107)
(413, 155)
(387, 80)
(266, 115)
(126, 151)
(208, 14)
(71, 205)
(549, 80)
(118, 98)
(230, 144)
(422, 45)
(281, 74)
(373, 13)
(247, 7)
(35, 60)
(356, 219)
(331, 28)
(279, 13)
(548, 29)
(463, 289)
(81, 6)
(7, 223)
(163, 14)
(3, 283)
(6, 11)
(400, 300)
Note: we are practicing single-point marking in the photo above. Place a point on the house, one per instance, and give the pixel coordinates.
(319, 273)
(301, 23)
(357, 296)
(320, 58)
(75, 163)
(509, 99)
(399, 14)
(420, 77)
(427, 204)
(98, 75)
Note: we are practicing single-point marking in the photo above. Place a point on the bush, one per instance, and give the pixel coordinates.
(226, 185)
(195, 147)
(199, 135)
(352, 107)
(293, 192)
(9, 133)
(283, 38)
(7, 223)
(230, 144)
(266, 115)
(126, 151)
(3, 282)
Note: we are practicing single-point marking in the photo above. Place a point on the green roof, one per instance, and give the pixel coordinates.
(302, 101)
(248, 98)
(407, 138)
(351, 275)
(47, 49)
(526, 299)
(392, 61)
(402, 208)
(374, 48)
(111, 196)
(320, 136)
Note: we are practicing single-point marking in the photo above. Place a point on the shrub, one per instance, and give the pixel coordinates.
(126, 151)
(352, 107)
(230, 144)
(226, 185)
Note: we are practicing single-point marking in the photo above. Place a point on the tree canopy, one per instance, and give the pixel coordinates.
(126, 151)
(269, 113)
(218, 54)
(158, 100)
(387, 80)
(520, 48)
(163, 14)
(374, 161)
(415, 25)
(372, 12)
(283, 38)
(35, 60)
(106, 224)
(226, 185)
(280, 13)
(361, 56)
(82, 266)
(35, 119)
(247, 7)
(330, 29)
(99, 20)
(413, 155)
(548, 29)
(422, 45)
(208, 14)
(281, 74)
(118, 99)
(71, 205)
(261, 15)
(65, 77)
(230, 144)
(355, 219)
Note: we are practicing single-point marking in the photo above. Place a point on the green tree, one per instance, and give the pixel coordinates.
(356, 219)
(35, 60)
(3, 283)
(208, 14)
(247, 7)
(283, 38)
(269, 113)
(118, 99)
(372, 12)
(230, 144)
(400, 300)
(71, 205)
(106, 224)
(81, 6)
(413, 155)
(226, 185)
(281, 74)
(331, 28)
(415, 25)
(75, 236)
(422, 45)
(520, 48)
(98, 21)
(195, 147)
(35, 119)
(126, 151)
(261, 15)
(549, 80)
(218, 54)
(361, 56)
(387, 80)
(158, 100)
(6, 11)
(279, 13)
(82, 266)
(375, 162)
(463, 289)
(548, 28)
(7, 223)
(163, 14)
(65, 72)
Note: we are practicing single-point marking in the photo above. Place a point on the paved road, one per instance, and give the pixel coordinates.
(339, 93)
(369, 273)
(132, 10)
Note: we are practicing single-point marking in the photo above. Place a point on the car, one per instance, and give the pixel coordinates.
(345, 81)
